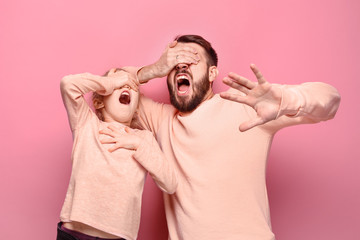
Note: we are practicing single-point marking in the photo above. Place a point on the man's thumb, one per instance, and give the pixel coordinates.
(172, 44)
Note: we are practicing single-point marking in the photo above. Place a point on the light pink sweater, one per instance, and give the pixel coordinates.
(221, 171)
(105, 188)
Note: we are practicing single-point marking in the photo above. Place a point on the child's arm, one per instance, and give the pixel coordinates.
(73, 88)
(147, 153)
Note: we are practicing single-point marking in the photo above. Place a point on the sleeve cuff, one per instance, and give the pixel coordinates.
(291, 102)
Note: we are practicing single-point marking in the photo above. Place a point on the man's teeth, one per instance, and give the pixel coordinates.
(182, 77)
(125, 94)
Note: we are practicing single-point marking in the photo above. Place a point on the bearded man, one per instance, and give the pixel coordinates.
(221, 167)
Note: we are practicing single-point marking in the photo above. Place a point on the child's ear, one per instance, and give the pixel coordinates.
(98, 104)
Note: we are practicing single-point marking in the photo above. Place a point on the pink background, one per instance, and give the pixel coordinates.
(313, 172)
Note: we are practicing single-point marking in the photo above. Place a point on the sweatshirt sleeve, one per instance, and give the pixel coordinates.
(310, 102)
(150, 156)
(150, 114)
(73, 88)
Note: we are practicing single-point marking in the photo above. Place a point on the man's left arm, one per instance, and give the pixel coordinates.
(146, 151)
(277, 106)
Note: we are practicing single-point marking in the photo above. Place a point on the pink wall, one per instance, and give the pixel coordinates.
(313, 171)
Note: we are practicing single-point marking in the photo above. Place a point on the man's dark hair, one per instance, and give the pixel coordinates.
(212, 56)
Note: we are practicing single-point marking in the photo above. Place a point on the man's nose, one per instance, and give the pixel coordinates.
(182, 66)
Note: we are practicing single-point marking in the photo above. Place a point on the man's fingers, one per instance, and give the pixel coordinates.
(182, 47)
(111, 71)
(190, 49)
(241, 80)
(119, 145)
(129, 130)
(108, 140)
(250, 124)
(185, 60)
(107, 132)
(257, 73)
(194, 57)
(235, 85)
(114, 147)
(235, 97)
(114, 129)
(172, 44)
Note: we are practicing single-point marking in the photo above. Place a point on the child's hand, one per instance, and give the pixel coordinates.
(122, 139)
(123, 79)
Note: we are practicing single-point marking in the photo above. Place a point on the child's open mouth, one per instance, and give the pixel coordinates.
(125, 98)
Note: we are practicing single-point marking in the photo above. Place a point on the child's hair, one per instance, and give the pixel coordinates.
(98, 99)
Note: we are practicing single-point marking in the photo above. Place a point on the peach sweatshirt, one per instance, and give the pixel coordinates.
(105, 189)
(221, 171)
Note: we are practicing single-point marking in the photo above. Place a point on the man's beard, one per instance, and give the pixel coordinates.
(200, 89)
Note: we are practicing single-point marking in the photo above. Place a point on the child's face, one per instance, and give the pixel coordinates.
(121, 105)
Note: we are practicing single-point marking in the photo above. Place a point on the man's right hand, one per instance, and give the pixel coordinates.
(174, 54)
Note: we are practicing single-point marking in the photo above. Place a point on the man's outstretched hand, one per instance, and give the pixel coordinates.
(262, 96)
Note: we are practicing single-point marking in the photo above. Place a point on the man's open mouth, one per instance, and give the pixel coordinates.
(182, 83)
(125, 97)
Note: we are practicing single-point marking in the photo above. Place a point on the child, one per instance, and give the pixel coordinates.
(103, 200)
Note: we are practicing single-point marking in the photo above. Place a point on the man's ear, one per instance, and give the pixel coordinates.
(98, 104)
(213, 73)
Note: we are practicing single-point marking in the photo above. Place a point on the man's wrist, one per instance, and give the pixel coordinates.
(147, 73)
